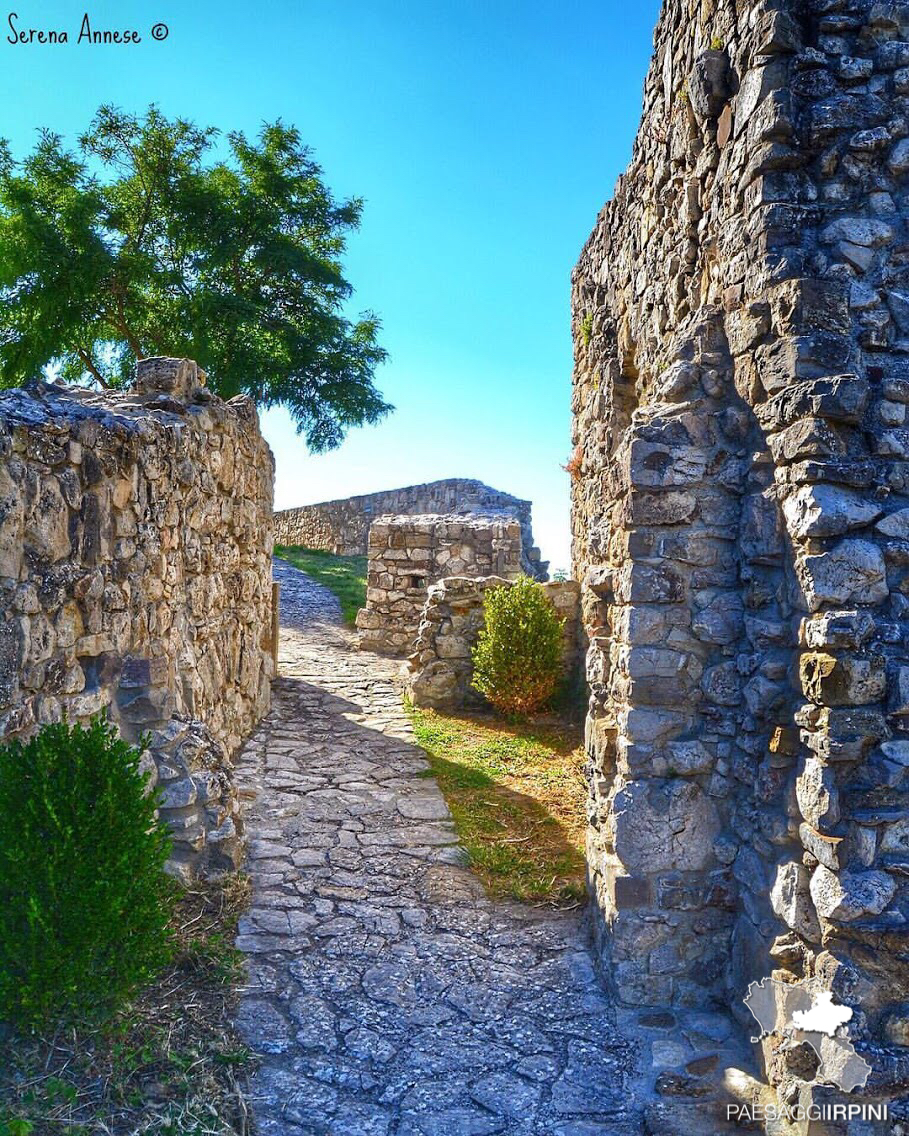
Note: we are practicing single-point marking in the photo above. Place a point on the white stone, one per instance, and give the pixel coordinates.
(827, 510)
(790, 899)
(865, 231)
(846, 896)
(817, 796)
(852, 571)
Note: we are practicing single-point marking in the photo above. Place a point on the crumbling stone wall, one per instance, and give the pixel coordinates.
(408, 553)
(740, 506)
(342, 526)
(440, 666)
(135, 576)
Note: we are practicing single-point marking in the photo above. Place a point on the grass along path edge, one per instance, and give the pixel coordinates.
(343, 575)
(517, 793)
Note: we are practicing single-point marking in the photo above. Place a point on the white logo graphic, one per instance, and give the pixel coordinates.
(804, 1015)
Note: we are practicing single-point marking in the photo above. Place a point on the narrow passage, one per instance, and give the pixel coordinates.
(387, 996)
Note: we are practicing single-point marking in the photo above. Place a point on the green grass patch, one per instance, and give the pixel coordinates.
(517, 794)
(343, 575)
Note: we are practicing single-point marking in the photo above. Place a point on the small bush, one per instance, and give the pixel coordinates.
(84, 901)
(517, 659)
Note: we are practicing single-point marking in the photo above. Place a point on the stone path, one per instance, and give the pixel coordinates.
(387, 996)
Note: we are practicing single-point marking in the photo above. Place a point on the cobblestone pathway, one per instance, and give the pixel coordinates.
(386, 994)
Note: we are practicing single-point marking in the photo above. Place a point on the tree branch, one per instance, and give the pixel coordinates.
(90, 366)
(122, 326)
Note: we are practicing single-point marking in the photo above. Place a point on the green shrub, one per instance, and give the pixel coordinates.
(84, 901)
(517, 659)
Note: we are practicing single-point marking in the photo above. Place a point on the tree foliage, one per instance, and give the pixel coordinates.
(139, 243)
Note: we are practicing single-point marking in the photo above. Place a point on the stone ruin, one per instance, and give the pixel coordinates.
(135, 576)
(458, 534)
(408, 553)
(427, 576)
(440, 665)
(342, 526)
(741, 526)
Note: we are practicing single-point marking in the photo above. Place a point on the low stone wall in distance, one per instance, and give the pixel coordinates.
(135, 577)
(441, 665)
(408, 553)
(342, 526)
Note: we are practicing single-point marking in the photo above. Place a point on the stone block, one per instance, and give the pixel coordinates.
(139, 672)
(790, 898)
(846, 896)
(818, 797)
(761, 529)
(179, 378)
(708, 84)
(816, 511)
(631, 891)
(654, 465)
(46, 524)
(895, 525)
(852, 571)
(842, 680)
(841, 398)
(670, 507)
(664, 827)
(839, 629)
(898, 700)
(807, 438)
(641, 583)
(800, 357)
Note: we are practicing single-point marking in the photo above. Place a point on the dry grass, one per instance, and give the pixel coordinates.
(517, 793)
(170, 1064)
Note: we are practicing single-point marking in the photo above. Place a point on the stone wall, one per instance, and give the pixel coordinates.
(441, 663)
(135, 575)
(741, 520)
(342, 526)
(408, 553)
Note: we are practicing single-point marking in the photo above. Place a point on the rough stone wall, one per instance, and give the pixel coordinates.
(741, 518)
(441, 663)
(342, 526)
(408, 553)
(135, 575)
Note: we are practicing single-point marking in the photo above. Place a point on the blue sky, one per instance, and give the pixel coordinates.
(484, 136)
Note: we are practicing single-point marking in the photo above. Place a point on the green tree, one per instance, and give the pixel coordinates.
(140, 243)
